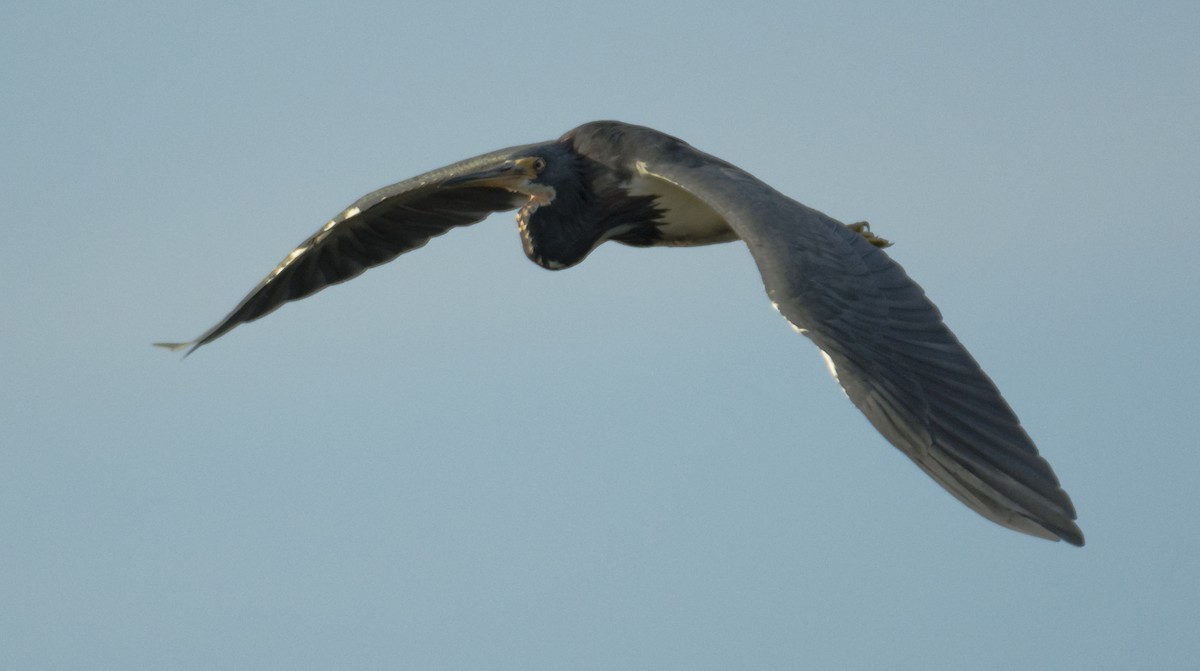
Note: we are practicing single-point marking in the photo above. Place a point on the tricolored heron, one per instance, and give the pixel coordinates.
(884, 341)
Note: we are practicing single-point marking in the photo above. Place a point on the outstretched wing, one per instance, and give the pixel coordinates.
(886, 344)
(376, 229)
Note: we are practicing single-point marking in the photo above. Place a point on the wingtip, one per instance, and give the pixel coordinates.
(176, 346)
(1074, 536)
(1056, 530)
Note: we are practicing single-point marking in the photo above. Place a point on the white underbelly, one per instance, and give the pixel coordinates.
(688, 221)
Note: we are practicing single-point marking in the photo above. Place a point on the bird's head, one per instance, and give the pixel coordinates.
(520, 173)
(575, 202)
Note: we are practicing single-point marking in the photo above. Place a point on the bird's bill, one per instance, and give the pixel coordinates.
(512, 175)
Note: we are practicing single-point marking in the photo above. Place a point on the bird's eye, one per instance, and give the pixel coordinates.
(539, 164)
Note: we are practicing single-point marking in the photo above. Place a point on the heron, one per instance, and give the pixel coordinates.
(882, 339)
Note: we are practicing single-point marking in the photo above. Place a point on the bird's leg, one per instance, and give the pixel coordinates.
(864, 229)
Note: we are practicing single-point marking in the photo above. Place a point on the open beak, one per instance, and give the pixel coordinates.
(511, 175)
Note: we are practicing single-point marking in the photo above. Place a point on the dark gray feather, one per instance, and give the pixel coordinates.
(374, 230)
(894, 356)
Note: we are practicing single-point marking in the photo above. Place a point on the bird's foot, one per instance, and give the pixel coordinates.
(864, 229)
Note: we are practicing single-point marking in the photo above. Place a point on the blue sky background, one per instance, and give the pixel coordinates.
(463, 461)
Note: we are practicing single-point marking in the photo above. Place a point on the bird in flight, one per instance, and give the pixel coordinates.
(883, 340)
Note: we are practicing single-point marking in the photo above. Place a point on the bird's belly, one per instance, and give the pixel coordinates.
(687, 221)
